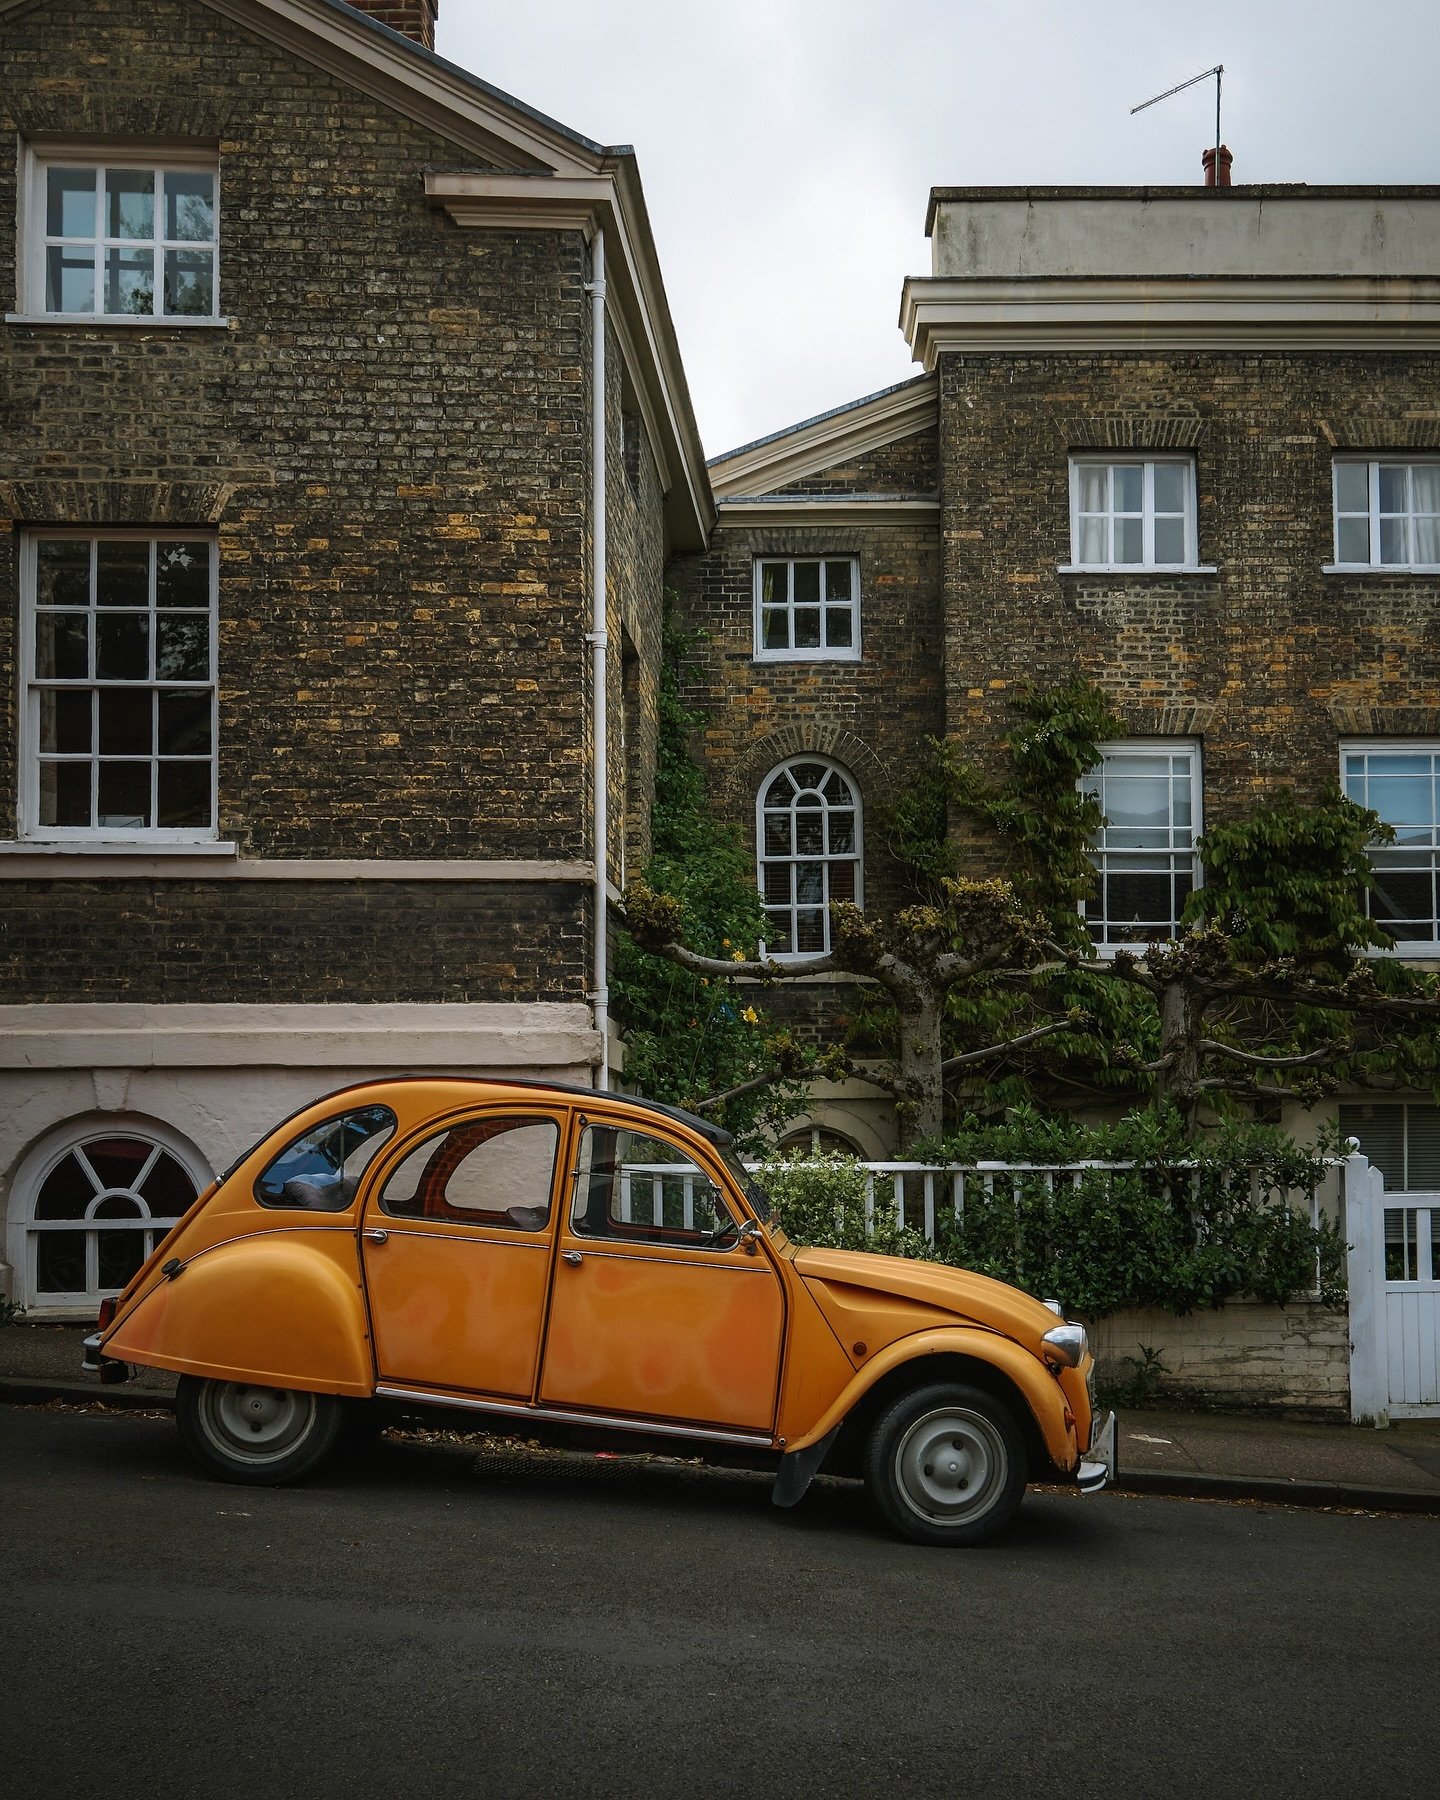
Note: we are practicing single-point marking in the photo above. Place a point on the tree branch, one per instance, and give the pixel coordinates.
(1268, 1062)
(1015, 1043)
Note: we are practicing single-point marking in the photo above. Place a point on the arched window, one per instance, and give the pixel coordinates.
(808, 831)
(93, 1209)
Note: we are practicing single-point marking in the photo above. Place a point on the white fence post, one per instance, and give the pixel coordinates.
(1364, 1224)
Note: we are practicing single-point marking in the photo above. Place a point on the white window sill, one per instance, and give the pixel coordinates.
(806, 656)
(116, 847)
(88, 321)
(1380, 568)
(1166, 569)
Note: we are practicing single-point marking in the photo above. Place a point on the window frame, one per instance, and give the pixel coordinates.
(1109, 460)
(157, 157)
(1373, 515)
(30, 830)
(823, 652)
(793, 860)
(1428, 948)
(1099, 853)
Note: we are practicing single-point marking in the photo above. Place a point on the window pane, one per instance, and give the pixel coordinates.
(1425, 487)
(1169, 540)
(808, 775)
(495, 1173)
(62, 572)
(65, 793)
(121, 1254)
(122, 647)
(129, 281)
(66, 1191)
(837, 581)
(1352, 543)
(182, 574)
(124, 794)
(62, 646)
(837, 627)
(1091, 550)
(182, 648)
(809, 932)
(1129, 540)
(320, 1170)
(773, 584)
(1404, 796)
(1170, 484)
(167, 1188)
(781, 790)
(130, 203)
(184, 724)
(777, 884)
(65, 721)
(807, 627)
(777, 834)
(1352, 487)
(777, 935)
(1393, 548)
(126, 721)
(60, 1262)
(807, 581)
(1092, 488)
(1129, 487)
(190, 283)
(70, 203)
(842, 834)
(1422, 1124)
(190, 205)
(842, 881)
(1393, 487)
(184, 795)
(809, 834)
(776, 629)
(69, 281)
(1427, 540)
(122, 574)
(1138, 896)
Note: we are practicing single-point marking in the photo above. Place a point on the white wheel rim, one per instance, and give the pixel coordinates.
(951, 1466)
(255, 1424)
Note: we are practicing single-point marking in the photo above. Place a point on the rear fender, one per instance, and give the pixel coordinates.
(283, 1309)
(1041, 1391)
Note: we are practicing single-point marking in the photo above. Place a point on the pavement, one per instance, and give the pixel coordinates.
(1163, 1449)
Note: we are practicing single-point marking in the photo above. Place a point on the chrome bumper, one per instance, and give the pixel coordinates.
(95, 1362)
(1097, 1467)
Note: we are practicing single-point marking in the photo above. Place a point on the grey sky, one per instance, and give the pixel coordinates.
(787, 148)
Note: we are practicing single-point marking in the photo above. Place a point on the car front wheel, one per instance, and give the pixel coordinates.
(243, 1431)
(946, 1465)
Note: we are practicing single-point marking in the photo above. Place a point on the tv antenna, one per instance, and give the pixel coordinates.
(1217, 72)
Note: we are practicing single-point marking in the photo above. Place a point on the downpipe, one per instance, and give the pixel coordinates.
(598, 639)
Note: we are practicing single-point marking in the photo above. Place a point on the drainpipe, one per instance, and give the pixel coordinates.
(598, 639)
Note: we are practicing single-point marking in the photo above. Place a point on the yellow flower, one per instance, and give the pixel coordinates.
(750, 1016)
(737, 956)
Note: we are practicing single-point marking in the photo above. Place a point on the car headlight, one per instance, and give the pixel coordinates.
(1067, 1344)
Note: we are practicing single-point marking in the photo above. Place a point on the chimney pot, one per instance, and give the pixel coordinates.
(1208, 159)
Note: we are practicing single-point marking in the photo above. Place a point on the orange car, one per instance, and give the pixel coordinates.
(588, 1264)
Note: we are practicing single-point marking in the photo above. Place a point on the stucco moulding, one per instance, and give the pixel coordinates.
(1059, 314)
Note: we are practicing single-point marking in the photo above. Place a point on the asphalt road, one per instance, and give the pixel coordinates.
(429, 1623)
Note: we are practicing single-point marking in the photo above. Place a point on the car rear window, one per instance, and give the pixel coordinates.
(320, 1170)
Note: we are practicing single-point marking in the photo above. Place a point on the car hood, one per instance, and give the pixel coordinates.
(856, 1281)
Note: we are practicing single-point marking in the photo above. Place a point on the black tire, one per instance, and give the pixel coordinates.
(262, 1436)
(946, 1464)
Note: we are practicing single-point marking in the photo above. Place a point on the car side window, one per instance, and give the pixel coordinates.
(636, 1188)
(494, 1172)
(320, 1171)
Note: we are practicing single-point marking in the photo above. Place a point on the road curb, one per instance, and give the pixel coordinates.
(25, 1390)
(1192, 1485)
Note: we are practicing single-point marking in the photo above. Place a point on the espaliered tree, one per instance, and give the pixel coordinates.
(989, 992)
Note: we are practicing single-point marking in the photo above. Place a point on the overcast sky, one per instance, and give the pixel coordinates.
(787, 147)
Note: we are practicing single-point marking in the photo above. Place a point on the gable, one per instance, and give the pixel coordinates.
(881, 444)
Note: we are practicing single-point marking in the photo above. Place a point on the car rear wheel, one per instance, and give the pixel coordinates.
(946, 1465)
(243, 1431)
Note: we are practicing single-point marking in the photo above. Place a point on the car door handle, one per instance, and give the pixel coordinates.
(375, 1236)
(573, 1256)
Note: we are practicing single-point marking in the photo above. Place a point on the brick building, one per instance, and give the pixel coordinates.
(308, 409)
(1185, 442)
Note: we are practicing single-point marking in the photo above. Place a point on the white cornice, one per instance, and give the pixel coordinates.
(837, 510)
(610, 200)
(1177, 313)
(78, 862)
(822, 443)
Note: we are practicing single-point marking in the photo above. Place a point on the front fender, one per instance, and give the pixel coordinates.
(1042, 1392)
(283, 1309)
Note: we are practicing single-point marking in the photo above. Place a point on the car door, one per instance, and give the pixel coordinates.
(659, 1308)
(457, 1236)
